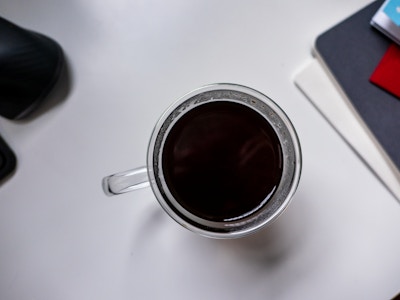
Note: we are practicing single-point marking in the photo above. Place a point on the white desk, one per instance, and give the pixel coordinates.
(62, 238)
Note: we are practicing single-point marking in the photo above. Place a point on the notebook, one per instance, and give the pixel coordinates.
(350, 52)
(387, 19)
(338, 85)
(315, 84)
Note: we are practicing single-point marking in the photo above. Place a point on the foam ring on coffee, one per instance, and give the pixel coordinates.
(275, 202)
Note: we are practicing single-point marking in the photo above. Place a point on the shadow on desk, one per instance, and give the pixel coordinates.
(274, 244)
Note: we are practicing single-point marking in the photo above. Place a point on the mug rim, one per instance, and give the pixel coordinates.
(240, 227)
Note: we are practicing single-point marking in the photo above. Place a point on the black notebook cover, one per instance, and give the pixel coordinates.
(351, 51)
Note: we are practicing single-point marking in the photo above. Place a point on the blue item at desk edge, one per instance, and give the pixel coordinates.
(392, 10)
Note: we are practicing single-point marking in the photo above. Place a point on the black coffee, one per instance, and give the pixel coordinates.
(222, 161)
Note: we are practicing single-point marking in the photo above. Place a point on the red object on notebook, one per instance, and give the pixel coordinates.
(387, 73)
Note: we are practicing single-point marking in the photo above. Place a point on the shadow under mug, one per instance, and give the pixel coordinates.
(223, 161)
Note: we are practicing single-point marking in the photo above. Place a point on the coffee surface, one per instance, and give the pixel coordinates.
(222, 161)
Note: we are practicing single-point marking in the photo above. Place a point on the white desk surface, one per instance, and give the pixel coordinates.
(62, 238)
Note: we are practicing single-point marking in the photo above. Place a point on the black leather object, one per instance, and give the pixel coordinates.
(30, 64)
(7, 159)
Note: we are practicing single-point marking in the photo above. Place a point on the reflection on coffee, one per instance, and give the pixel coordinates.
(222, 161)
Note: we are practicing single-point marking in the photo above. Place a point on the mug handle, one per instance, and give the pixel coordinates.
(127, 181)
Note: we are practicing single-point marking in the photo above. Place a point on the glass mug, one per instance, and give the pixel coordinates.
(223, 161)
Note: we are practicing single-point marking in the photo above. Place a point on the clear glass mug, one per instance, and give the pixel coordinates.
(209, 126)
